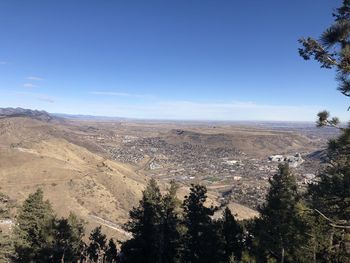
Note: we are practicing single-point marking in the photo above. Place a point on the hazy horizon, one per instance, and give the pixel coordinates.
(198, 60)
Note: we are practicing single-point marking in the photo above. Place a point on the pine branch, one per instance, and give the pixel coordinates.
(332, 223)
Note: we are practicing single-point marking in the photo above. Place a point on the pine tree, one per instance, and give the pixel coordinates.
(331, 194)
(203, 242)
(97, 246)
(34, 229)
(68, 234)
(319, 230)
(171, 226)
(6, 243)
(281, 230)
(6, 247)
(156, 227)
(111, 252)
(330, 197)
(232, 234)
(146, 227)
(332, 50)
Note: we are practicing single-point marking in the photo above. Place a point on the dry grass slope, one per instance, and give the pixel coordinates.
(72, 173)
(73, 178)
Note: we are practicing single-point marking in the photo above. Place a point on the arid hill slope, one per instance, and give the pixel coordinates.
(73, 174)
(73, 178)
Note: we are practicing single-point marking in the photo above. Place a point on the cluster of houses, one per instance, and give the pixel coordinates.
(218, 168)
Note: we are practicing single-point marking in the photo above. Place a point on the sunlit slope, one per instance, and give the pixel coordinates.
(41, 154)
(73, 178)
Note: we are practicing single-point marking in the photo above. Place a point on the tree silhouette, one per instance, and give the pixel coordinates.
(282, 231)
(97, 246)
(145, 225)
(232, 233)
(111, 254)
(203, 242)
(68, 234)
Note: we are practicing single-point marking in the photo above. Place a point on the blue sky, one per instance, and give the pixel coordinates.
(166, 59)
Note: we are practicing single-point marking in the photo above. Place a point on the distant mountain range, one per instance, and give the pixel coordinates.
(45, 116)
(20, 112)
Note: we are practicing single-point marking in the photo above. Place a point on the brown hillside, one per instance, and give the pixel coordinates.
(73, 178)
(60, 159)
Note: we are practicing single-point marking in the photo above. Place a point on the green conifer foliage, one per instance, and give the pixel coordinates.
(156, 228)
(6, 243)
(232, 233)
(332, 49)
(68, 234)
(145, 225)
(331, 194)
(97, 246)
(281, 230)
(34, 229)
(111, 254)
(203, 242)
(171, 226)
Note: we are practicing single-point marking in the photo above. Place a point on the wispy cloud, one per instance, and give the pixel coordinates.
(34, 78)
(30, 85)
(120, 94)
(2, 62)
